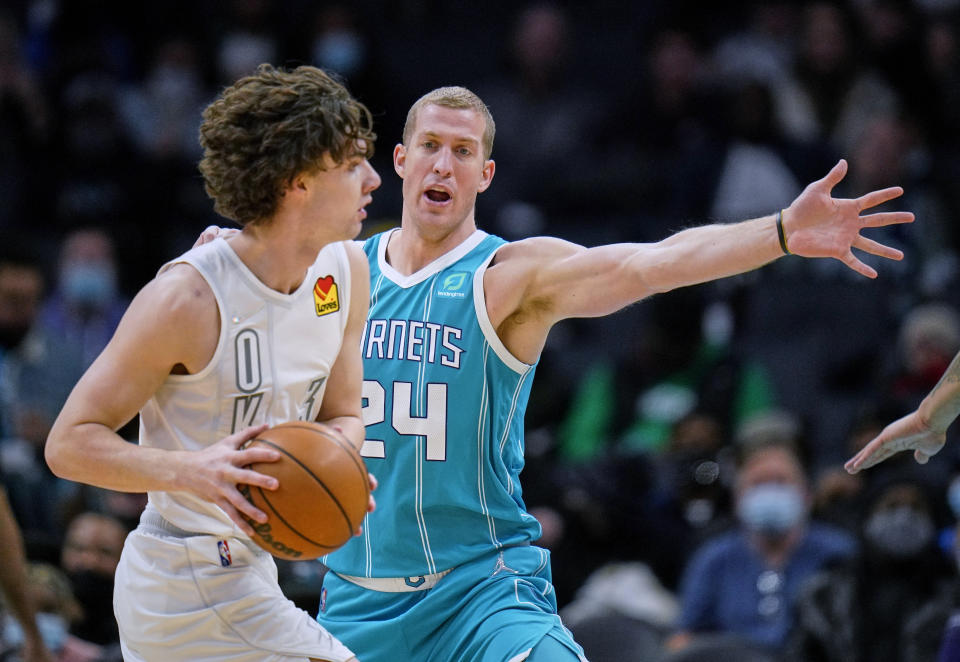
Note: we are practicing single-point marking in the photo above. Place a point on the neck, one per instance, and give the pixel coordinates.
(414, 246)
(279, 260)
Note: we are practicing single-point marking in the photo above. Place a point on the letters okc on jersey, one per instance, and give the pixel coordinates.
(249, 378)
(412, 340)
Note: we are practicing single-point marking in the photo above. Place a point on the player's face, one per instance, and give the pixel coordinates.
(443, 167)
(339, 194)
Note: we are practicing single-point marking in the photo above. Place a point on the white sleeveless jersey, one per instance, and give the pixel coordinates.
(271, 365)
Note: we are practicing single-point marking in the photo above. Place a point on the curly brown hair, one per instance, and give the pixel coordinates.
(271, 126)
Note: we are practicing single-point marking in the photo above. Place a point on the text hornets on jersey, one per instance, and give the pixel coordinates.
(412, 340)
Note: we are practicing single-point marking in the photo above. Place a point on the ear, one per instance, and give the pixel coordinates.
(296, 185)
(489, 167)
(399, 158)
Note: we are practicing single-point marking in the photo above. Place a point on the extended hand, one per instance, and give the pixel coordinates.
(818, 225)
(907, 433)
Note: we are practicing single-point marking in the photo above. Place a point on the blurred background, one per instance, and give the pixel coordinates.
(616, 121)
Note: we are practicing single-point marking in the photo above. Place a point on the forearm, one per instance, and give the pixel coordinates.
(701, 254)
(351, 427)
(93, 454)
(942, 405)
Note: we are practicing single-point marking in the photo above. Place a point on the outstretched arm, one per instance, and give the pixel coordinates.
(540, 281)
(923, 431)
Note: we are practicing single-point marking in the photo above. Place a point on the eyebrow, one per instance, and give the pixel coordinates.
(459, 139)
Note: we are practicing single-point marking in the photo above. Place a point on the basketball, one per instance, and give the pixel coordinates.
(323, 492)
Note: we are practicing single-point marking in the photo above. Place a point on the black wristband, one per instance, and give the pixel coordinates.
(780, 235)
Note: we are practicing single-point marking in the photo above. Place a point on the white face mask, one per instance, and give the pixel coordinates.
(899, 532)
(53, 631)
(771, 508)
(89, 284)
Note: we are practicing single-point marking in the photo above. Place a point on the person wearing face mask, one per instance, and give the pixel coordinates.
(87, 304)
(878, 606)
(89, 557)
(37, 371)
(741, 585)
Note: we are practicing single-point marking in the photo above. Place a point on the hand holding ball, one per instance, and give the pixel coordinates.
(323, 494)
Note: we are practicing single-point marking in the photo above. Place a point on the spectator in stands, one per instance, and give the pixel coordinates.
(37, 372)
(90, 554)
(874, 606)
(86, 305)
(15, 589)
(743, 583)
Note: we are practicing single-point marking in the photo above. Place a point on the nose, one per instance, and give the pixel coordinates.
(443, 164)
(373, 180)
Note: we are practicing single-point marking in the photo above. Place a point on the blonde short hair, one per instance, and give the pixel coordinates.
(459, 98)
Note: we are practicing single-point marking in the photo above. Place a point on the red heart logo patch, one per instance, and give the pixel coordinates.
(322, 288)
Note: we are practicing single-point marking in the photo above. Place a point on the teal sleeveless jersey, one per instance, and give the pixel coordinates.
(443, 405)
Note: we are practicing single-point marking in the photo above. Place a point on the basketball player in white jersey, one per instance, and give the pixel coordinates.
(231, 337)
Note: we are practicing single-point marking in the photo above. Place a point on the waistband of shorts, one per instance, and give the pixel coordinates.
(153, 522)
(396, 584)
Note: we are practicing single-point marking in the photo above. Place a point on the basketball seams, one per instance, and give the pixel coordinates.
(310, 463)
(316, 478)
(266, 501)
(351, 451)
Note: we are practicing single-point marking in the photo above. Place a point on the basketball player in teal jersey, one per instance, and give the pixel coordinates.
(446, 569)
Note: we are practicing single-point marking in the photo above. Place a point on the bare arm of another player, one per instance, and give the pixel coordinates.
(172, 324)
(16, 591)
(341, 406)
(923, 431)
(342, 400)
(536, 282)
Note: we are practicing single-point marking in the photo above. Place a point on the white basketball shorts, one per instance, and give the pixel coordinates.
(200, 597)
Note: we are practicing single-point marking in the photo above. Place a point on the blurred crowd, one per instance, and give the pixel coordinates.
(684, 455)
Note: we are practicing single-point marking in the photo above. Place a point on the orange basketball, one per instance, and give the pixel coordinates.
(323, 491)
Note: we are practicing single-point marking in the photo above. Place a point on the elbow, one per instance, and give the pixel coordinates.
(53, 453)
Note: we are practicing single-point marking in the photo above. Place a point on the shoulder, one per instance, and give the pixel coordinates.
(536, 248)
(173, 320)
(179, 299)
(356, 256)
(518, 266)
(720, 549)
(181, 289)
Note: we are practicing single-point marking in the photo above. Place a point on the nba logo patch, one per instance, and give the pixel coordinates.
(323, 599)
(224, 550)
(325, 296)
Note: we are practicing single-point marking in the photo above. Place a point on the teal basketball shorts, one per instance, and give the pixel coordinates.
(493, 609)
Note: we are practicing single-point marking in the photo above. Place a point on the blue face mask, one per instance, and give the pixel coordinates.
(771, 508)
(89, 284)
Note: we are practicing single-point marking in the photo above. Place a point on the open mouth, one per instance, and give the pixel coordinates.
(437, 196)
